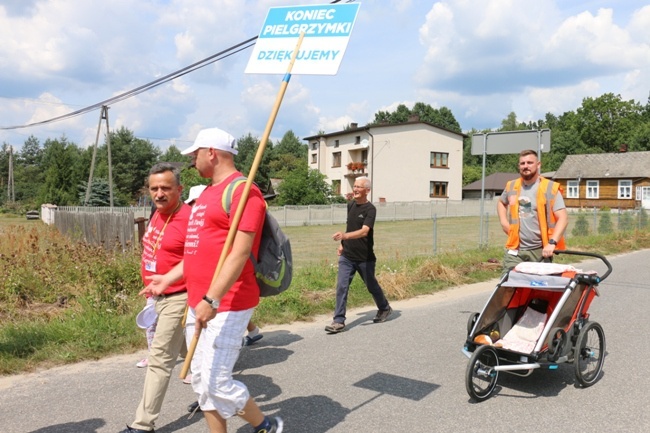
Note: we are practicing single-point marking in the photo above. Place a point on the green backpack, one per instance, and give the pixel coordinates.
(273, 267)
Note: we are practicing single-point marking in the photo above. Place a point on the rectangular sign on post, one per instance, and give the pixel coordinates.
(512, 142)
(327, 30)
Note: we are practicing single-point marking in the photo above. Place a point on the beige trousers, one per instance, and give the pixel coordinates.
(167, 343)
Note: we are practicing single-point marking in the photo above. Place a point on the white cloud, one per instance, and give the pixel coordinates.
(480, 59)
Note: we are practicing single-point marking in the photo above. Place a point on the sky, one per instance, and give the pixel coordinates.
(481, 59)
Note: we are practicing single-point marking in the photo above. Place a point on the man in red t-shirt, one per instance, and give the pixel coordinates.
(221, 309)
(162, 250)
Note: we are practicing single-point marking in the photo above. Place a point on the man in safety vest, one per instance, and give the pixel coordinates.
(532, 213)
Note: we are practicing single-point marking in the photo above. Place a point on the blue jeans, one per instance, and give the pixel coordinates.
(366, 270)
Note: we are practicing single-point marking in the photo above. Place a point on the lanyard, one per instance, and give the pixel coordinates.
(162, 231)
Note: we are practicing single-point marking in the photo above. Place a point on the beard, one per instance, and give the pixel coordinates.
(528, 175)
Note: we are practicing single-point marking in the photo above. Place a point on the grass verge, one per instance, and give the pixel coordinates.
(63, 302)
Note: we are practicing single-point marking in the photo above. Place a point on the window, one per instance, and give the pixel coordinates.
(439, 159)
(438, 189)
(573, 189)
(336, 187)
(313, 158)
(336, 159)
(357, 139)
(336, 143)
(624, 189)
(592, 188)
(314, 145)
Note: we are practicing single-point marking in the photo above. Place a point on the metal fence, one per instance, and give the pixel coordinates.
(443, 225)
(288, 216)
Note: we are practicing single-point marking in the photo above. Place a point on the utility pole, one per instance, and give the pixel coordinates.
(103, 115)
(11, 193)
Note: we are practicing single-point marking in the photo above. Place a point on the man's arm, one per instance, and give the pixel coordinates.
(502, 211)
(357, 234)
(230, 271)
(561, 223)
(160, 283)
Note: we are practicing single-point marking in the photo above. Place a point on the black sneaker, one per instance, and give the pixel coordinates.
(135, 430)
(382, 315)
(194, 407)
(335, 328)
(249, 341)
(276, 425)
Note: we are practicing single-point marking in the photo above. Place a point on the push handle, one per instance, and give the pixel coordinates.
(589, 279)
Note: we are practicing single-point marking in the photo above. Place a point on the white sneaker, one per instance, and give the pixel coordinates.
(142, 363)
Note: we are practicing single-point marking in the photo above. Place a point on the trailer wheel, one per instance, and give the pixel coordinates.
(471, 322)
(589, 353)
(481, 377)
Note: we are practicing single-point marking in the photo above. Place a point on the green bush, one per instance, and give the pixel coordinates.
(605, 223)
(625, 222)
(643, 218)
(581, 227)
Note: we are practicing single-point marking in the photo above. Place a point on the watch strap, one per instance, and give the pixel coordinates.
(213, 303)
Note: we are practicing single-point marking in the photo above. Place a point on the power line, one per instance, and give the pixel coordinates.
(133, 92)
(162, 80)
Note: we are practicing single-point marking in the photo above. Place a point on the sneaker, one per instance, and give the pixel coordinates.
(142, 363)
(382, 315)
(188, 379)
(135, 430)
(249, 341)
(276, 426)
(194, 407)
(335, 328)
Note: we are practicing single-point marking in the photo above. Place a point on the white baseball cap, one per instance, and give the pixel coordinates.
(147, 316)
(214, 138)
(195, 192)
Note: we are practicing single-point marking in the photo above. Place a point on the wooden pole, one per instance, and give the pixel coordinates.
(244, 198)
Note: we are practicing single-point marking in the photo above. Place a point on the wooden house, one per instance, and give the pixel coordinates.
(612, 180)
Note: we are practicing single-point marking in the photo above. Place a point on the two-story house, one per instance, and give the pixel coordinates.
(412, 161)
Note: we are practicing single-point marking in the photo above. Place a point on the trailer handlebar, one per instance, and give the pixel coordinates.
(589, 279)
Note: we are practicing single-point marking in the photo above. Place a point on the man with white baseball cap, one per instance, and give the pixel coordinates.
(221, 307)
(213, 138)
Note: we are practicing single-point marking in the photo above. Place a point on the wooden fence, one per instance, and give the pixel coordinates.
(108, 229)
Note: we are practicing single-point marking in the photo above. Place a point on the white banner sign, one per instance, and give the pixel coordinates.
(327, 30)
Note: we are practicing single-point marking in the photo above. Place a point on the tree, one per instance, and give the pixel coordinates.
(288, 154)
(28, 175)
(304, 187)
(173, 154)
(510, 123)
(606, 122)
(99, 194)
(442, 117)
(62, 173)
(247, 149)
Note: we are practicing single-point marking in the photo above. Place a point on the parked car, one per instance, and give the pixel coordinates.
(33, 215)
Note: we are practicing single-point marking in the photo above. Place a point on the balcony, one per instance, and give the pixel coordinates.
(356, 169)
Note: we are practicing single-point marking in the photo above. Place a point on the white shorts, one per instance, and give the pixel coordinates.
(214, 359)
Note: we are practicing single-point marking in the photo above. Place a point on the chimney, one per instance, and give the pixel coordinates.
(354, 125)
(622, 148)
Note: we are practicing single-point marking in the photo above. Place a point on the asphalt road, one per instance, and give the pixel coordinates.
(405, 375)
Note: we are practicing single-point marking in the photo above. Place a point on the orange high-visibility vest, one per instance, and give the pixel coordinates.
(546, 193)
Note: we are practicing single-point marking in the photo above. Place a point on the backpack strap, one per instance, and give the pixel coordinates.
(226, 198)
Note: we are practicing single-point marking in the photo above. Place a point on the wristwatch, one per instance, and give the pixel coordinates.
(552, 242)
(213, 302)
